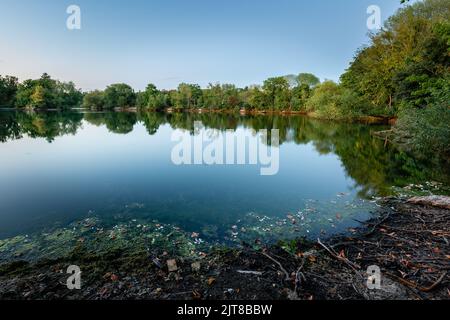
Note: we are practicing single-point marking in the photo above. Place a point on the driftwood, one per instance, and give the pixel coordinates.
(434, 201)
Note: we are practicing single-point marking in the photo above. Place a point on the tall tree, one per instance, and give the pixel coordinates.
(8, 90)
(119, 95)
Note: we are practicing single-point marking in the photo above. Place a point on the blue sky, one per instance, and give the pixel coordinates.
(171, 41)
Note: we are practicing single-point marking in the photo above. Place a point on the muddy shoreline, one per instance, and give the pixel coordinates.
(408, 242)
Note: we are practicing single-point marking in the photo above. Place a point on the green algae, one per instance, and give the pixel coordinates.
(93, 236)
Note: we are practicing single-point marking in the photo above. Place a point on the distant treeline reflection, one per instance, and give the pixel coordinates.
(374, 165)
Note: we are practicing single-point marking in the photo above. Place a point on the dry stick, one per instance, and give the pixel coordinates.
(299, 275)
(415, 285)
(375, 226)
(433, 232)
(278, 263)
(352, 265)
(256, 273)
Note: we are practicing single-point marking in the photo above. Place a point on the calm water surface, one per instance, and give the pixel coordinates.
(56, 168)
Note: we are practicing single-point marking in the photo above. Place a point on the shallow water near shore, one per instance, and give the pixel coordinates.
(67, 178)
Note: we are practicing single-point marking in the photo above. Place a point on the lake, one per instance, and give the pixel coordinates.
(57, 169)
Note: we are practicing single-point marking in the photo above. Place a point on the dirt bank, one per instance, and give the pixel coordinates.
(408, 242)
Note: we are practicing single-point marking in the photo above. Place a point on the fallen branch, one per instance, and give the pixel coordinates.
(375, 226)
(256, 273)
(299, 276)
(279, 265)
(352, 265)
(415, 285)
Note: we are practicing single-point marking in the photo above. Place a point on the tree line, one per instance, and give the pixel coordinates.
(277, 93)
(406, 65)
(42, 93)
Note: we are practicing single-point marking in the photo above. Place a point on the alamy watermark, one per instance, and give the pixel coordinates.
(213, 147)
(374, 19)
(73, 21)
(373, 278)
(74, 281)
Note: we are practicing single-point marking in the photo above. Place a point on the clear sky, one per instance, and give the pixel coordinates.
(171, 41)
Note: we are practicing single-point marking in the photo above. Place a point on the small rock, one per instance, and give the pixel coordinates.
(158, 291)
(172, 265)
(230, 291)
(196, 266)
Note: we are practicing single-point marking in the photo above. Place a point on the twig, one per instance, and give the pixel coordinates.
(256, 273)
(352, 265)
(299, 276)
(375, 226)
(279, 265)
(415, 285)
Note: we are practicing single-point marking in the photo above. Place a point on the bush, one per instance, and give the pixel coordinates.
(94, 100)
(426, 132)
(119, 95)
(332, 101)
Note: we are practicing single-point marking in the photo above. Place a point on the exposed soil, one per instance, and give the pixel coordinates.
(408, 242)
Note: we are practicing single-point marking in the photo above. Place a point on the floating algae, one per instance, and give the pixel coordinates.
(316, 219)
(425, 189)
(125, 233)
(92, 235)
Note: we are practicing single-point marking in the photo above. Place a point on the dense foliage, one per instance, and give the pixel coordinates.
(46, 93)
(276, 94)
(406, 61)
(8, 90)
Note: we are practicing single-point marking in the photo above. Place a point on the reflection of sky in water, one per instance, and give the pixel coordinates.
(95, 170)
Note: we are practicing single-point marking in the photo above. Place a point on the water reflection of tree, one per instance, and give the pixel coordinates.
(372, 165)
(47, 125)
(152, 121)
(9, 126)
(117, 122)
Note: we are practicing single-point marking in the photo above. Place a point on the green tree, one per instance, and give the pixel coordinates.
(332, 101)
(94, 100)
(68, 96)
(148, 97)
(307, 79)
(276, 93)
(187, 96)
(404, 60)
(119, 95)
(47, 93)
(300, 95)
(8, 90)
